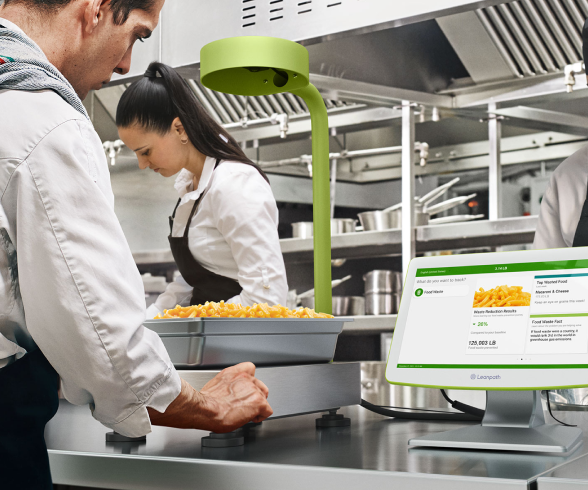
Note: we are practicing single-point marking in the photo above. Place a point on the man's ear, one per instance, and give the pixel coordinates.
(93, 14)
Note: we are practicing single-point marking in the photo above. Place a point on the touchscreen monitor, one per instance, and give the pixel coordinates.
(511, 320)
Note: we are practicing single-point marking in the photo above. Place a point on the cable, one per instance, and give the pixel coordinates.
(462, 407)
(549, 408)
(443, 416)
(414, 409)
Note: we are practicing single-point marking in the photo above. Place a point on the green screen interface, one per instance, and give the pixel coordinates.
(509, 316)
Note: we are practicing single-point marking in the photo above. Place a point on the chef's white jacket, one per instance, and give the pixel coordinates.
(68, 280)
(562, 203)
(234, 234)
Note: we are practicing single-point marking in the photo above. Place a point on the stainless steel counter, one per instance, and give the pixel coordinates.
(573, 475)
(287, 454)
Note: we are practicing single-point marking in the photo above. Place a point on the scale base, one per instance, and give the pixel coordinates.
(228, 439)
(544, 438)
(332, 419)
(116, 437)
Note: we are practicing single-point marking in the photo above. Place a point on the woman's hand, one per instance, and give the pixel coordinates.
(231, 399)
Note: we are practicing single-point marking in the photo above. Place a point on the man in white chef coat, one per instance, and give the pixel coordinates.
(71, 299)
(563, 219)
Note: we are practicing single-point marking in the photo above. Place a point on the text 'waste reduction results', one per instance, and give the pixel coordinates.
(505, 316)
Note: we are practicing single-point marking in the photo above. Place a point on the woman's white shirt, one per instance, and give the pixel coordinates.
(234, 233)
(562, 203)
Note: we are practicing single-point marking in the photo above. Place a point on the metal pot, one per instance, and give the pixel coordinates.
(356, 306)
(342, 305)
(383, 281)
(381, 303)
(375, 389)
(304, 229)
(420, 218)
(342, 225)
(376, 220)
(575, 400)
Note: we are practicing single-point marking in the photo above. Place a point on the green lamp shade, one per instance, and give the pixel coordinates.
(254, 65)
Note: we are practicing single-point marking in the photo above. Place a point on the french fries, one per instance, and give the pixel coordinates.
(501, 296)
(229, 310)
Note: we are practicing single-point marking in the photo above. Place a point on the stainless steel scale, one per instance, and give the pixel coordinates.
(292, 355)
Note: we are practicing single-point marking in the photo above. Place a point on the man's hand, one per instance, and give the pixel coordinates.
(231, 399)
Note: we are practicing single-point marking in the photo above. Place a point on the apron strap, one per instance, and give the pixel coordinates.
(581, 235)
(173, 216)
(194, 208)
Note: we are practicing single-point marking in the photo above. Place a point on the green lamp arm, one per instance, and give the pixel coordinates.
(320, 197)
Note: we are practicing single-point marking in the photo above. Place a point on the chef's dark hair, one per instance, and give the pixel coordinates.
(154, 101)
(121, 9)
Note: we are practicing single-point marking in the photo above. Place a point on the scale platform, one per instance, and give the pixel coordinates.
(299, 389)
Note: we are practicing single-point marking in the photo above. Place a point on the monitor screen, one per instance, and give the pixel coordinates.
(515, 320)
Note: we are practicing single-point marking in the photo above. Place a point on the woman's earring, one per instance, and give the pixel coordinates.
(184, 142)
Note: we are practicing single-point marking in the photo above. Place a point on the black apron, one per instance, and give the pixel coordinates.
(28, 400)
(581, 235)
(208, 286)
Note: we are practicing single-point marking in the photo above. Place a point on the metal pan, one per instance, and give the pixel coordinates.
(456, 218)
(220, 342)
(383, 220)
(391, 217)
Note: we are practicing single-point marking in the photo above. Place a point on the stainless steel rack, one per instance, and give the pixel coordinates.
(452, 236)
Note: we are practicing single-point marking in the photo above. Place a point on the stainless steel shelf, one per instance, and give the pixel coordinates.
(507, 231)
(370, 324)
(473, 234)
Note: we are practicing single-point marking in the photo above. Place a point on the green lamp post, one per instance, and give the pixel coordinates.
(255, 65)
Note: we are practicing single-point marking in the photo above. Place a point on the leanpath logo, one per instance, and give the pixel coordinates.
(476, 376)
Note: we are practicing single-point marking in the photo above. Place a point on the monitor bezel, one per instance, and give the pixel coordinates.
(516, 379)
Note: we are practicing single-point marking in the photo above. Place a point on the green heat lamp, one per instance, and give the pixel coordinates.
(257, 65)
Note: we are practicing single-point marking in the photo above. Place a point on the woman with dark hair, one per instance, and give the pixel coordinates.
(223, 230)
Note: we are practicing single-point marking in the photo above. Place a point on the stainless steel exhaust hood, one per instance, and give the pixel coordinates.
(518, 39)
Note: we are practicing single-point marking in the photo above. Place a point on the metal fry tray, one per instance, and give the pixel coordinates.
(219, 342)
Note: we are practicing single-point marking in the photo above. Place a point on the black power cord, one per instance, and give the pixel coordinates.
(549, 407)
(442, 416)
(462, 407)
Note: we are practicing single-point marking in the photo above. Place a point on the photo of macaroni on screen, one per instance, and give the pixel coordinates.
(501, 297)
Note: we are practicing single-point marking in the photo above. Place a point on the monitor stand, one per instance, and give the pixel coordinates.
(513, 421)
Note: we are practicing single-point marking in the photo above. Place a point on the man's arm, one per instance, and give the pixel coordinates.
(82, 293)
(549, 228)
(228, 401)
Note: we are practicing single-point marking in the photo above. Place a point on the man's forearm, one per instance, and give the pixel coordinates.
(181, 412)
